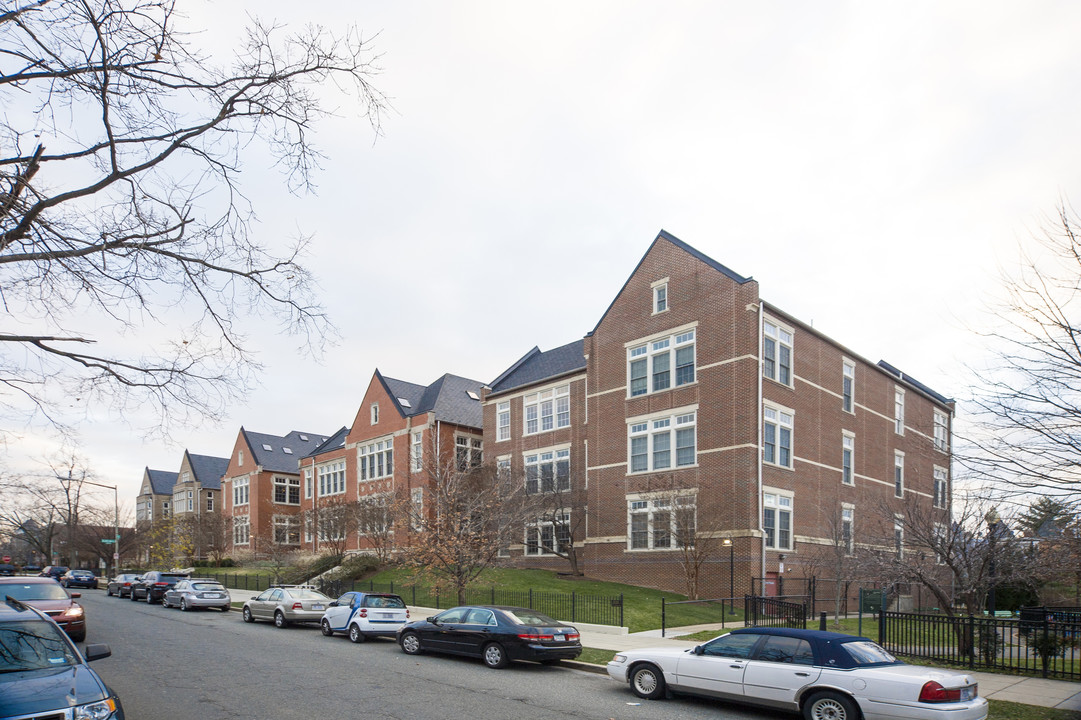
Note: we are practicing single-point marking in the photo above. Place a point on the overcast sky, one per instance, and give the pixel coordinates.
(869, 164)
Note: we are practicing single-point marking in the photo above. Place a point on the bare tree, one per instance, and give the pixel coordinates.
(99, 524)
(374, 520)
(333, 521)
(839, 559)
(120, 201)
(1028, 403)
(462, 519)
(557, 502)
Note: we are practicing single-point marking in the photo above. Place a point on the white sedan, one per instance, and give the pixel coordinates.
(824, 675)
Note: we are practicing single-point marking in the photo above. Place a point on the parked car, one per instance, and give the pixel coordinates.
(27, 569)
(495, 634)
(286, 604)
(79, 578)
(121, 585)
(151, 586)
(43, 675)
(363, 615)
(820, 674)
(7, 569)
(53, 571)
(44, 594)
(193, 593)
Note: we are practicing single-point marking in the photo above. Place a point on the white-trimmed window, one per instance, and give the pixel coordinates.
(942, 431)
(191, 501)
(375, 413)
(502, 468)
(241, 530)
(309, 484)
(548, 471)
(661, 523)
(661, 364)
(899, 411)
(660, 296)
(416, 498)
(165, 509)
(942, 488)
(848, 538)
(848, 454)
(240, 458)
(548, 536)
(940, 540)
(545, 410)
(331, 478)
(777, 520)
(662, 443)
(777, 352)
(468, 452)
(210, 503)
(502, 421)
(286, 490)
(241, 490)
(848, 386)
(898, 473)
(416, 451)
(777, 435)
(286, 530)
(899, 536)
(375, 459)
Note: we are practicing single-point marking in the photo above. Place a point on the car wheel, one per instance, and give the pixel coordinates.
(647, 681)
(495, 656)
(247, 615)
(108, 592)
(225, 608)
(132, 596)
(279, 619)
(410, 644)
(184, 605)
(147, 598)
(355, 635)
(830, 706)
(163, 601)
(324, 626)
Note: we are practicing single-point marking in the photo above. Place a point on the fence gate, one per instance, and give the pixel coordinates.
(771, 612)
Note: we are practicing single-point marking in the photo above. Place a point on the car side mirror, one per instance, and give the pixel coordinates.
(76, 595)
(333, 604)
(433, 620)
(97, 651)
(699, 650)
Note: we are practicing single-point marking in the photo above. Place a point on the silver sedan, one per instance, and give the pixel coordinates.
(196, 593)
(286, 604)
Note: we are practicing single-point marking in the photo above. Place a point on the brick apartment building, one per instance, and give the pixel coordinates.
(386, 452)
(155, 495)
(262, 489)
(694, 401)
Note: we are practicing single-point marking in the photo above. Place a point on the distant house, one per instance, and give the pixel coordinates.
(262, 489)
(384, 454)
(155, 495)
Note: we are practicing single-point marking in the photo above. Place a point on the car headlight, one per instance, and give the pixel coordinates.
(102, 710)
(73, 612)
(619, 659)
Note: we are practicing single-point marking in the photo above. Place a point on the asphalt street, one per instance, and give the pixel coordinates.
(213, 666)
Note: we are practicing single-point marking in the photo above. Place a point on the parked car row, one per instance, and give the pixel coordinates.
(170, 589)
(46, 595)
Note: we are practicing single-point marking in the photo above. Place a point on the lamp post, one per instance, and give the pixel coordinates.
(116, 520)
(731, 575)
(992, 519)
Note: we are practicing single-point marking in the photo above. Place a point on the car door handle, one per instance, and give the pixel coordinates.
(802, 674)
(736, 667)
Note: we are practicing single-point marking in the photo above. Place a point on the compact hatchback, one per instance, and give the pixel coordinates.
(363, 615)
(44, 594)
(194, 593)
(286, 604)
(42, 674)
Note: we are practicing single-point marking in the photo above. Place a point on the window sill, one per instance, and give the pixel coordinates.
(790, 468)
(778, 383)
(663, 470)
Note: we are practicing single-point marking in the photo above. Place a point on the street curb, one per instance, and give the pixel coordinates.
(584, 666)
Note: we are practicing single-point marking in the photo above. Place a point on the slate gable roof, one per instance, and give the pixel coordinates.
(448, 398)
(335, 441)
(284, 451)
(161, 481)
(536, 366)
(208, 470)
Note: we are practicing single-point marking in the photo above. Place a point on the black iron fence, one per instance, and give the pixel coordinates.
(1043, 641)
(775, 612)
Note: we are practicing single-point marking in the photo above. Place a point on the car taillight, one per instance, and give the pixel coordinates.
(364, 612)
(933, 692)
(572, 636)
(298, 606)
(161, 584)
(407, 613)
(535, 636)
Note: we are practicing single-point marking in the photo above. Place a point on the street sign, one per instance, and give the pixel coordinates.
(116, 556)
(108, 541)
(6, 559)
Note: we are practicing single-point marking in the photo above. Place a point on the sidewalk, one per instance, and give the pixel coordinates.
(1058, 694)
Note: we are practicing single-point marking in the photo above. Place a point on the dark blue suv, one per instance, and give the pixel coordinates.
(42, 673)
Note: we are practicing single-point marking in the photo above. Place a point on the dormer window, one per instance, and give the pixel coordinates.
(240, 457)
(660, 296)
(375, 413)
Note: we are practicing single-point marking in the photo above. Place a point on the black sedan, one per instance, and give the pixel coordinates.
(121, 585)
(79, 578)
(495, 634)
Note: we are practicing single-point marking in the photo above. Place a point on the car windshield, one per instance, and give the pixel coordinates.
(34, 591)
(383, 601)
(308, 595)
(81, 573)
(206, 586)
(33, 645)
(530, 617)
(865, 652)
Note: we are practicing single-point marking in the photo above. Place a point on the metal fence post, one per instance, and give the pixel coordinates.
(663, 624)
(574, 607)
(621, 609)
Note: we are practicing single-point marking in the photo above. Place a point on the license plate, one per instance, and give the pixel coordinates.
(967, 693)
(387, 615)
(317, 607)
(558, 638)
